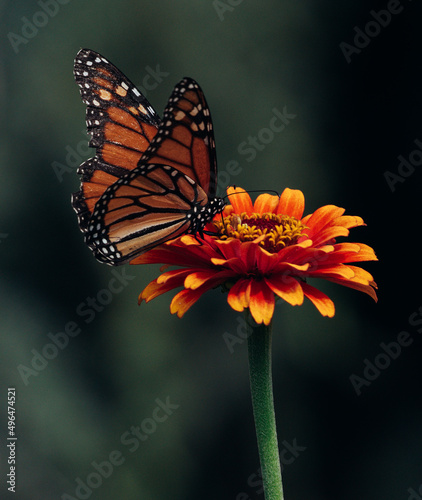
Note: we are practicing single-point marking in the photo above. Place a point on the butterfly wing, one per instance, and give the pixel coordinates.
(149, 206)
(122, 124)
(169, 192)
(185, 139)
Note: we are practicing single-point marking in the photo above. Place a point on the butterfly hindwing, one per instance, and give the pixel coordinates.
(148, 206)
(121, 122)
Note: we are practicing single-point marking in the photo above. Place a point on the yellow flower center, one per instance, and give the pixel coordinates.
(275, 231)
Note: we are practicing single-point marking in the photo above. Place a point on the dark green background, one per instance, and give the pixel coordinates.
(353, 121)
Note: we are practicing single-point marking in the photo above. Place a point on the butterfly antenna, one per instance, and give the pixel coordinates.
(254, 191)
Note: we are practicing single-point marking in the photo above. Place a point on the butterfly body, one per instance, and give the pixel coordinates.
(151, 180)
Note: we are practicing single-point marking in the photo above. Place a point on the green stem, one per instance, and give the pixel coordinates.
(259, 351)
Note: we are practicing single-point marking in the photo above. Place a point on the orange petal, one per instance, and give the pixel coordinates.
(261, 302)
(292, 203)
(184, 300)
(199, 278)
(227, 210)
(266, 203)
(286, 288)
(352, 252)
(365, 288)
(239, 200)
(365, 253)
(323, 303)
(322, 217)
(239, 295)
(326, 271)
(361, 275)
(154, 289)
(177, 275)
(328, 234)
(349, 221)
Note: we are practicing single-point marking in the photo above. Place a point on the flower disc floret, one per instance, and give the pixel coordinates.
(271, 231)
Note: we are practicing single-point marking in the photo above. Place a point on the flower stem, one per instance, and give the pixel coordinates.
(259, 352)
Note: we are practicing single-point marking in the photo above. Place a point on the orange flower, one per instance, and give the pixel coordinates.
(262, 251)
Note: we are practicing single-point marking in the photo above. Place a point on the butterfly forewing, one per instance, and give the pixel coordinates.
(150, 181)
(121, 122)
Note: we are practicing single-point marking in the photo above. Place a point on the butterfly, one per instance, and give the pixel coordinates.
(151, 180)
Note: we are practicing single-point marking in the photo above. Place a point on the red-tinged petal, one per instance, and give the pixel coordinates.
(164, 255)
(295, 253)
(322, 217)
(239, 295)
(285, 268)
(239, 200)
(305, 219)
(292, 203)
(184, 300)
(265, 261)
(286, 288)
(154, 289)
(230, 249)
(248, 252)
(323, 303)
(266, 203)
(261, 302)
(199, 278)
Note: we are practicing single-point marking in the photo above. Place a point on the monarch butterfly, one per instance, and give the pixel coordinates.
(151, 180)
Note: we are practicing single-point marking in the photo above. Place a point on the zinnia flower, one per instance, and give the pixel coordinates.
(262, 251)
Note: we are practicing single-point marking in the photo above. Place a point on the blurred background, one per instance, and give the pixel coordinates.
(91, 412)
